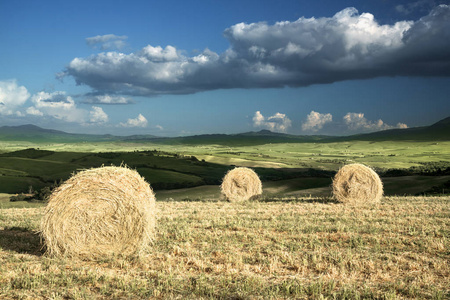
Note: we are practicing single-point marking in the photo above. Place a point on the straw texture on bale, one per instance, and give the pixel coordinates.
(357, 184)
(100, 212)
(241, 184)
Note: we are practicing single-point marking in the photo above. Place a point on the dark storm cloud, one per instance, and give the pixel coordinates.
(427, 45)
(418, 6)
(308, 51)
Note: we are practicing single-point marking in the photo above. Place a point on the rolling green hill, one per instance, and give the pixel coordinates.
(439, 131)
(39, 168)
(23, 170)
(421, 151)
(232, 140)
(32, 133)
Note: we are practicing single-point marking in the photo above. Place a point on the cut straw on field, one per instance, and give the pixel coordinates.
(241, 184)
(357, 184)
(108, 211)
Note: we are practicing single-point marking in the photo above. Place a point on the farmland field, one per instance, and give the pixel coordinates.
(382, 154)
(295, 242)
(289, 168)
(277, 248)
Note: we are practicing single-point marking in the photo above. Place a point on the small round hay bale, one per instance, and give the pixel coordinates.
(357, 184)
(100, 212)
(241, 184)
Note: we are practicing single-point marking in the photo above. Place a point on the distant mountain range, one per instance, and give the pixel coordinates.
(439, 131)
(32, 133)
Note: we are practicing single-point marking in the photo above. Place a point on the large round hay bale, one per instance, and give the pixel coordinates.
(241, 184)
(107, 211)
(357, 184)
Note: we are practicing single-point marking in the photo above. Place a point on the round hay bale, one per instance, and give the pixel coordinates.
(241, 184)
(357, 184)
(107, 211)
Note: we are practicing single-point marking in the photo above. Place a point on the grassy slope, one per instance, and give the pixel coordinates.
(18, 173)
(304, 187)
(384, 154)
(331, 156)
(282, 249)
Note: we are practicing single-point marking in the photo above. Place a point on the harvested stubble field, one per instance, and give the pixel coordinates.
(274, 248)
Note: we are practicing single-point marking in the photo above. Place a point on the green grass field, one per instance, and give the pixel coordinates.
(171, 167)
(384, 154)
(331, 156)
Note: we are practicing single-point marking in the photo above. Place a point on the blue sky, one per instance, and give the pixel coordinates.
(173, 68)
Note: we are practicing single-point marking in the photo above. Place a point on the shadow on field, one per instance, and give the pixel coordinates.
(324, 200)
(21, 240)
(188, 200)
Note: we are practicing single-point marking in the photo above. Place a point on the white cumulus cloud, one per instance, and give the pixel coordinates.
(57, 105)
(315, 121)
(108, 99)
(278, 122)
(357, 122)
(348, 45)
(97, 115)
(140, 121)
(34, 111)
(12, 96)
(158, 54)
(107, 41)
